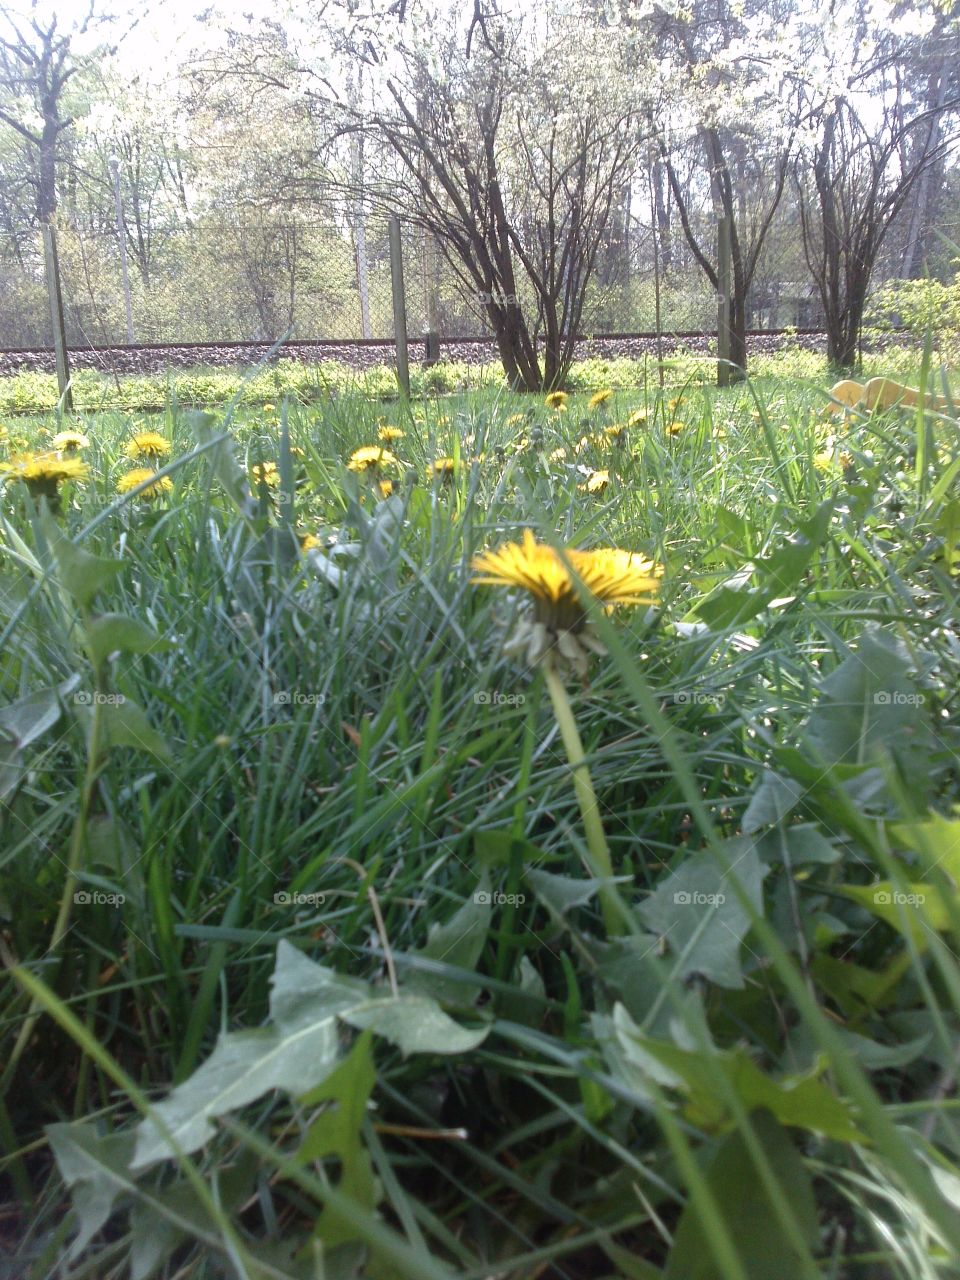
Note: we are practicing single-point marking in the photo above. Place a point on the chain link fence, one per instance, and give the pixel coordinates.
(259, 276)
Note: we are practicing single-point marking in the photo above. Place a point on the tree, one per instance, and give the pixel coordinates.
(36, 62)
(727, 96)
(874, 129)
(490, 155)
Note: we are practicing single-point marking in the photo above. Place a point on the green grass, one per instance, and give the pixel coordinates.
(334, 758)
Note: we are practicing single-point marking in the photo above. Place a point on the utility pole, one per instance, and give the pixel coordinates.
(399, 307)
(122, 236)
(723, 303)
(52, 266)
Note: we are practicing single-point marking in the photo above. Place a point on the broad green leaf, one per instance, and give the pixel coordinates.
(21, 723)
(562, 893)
(936, 839)
(854, 988)
(80, 574)
(799, 1100)
(493, 848)
(125, 724)
(460, 942)
(336, 1132)
(162, 1220)
(870, 705)
(948, 526)
(109, 632)
(415, 1024)
(771, 802)
(749, 1211)
(95, 1169)
(296, 1052)
(911, 910)
(223, 461)
(696, 914)
(25, 720)
(800, 843)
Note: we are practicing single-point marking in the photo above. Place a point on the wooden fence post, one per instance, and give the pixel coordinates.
(399, 307)
(52, 265)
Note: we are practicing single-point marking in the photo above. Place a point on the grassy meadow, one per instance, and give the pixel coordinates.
(336, 941)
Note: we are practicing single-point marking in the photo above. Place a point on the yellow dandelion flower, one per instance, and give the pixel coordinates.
(69, 441)
(616, 433)
(269, 408)
(44, 473)
(611, 575)
(389, 433)
(556, 400)
(309, 542)
(825, 461)
(596, 481)
(148, 444)
(131, 479)
(441, 468)
(265, 473)
(599, 398)
(370, 457)
(559, 455)
(558, 624)
(516, 420)
(638, 418)
(386, 488)
(674, 428)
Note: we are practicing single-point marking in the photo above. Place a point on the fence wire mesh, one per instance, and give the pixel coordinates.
(257, 275)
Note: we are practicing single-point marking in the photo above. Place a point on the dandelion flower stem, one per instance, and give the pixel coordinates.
(602, 865)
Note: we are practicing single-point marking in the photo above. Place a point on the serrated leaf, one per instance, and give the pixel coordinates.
(562, 893)
(109, 632)
(297, 1051)
(800, 1100)
(911, 910)
(763, 1245)
(336, 1132)
(696, 913)
(869, 706)
(936, 839)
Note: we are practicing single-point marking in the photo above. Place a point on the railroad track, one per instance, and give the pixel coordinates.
(300, 344)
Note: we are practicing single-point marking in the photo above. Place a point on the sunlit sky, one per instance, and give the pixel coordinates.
(149, 34)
